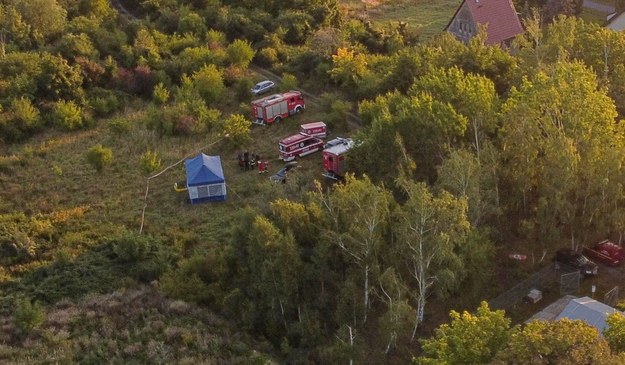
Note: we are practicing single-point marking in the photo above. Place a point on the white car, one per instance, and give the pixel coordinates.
(263, 87)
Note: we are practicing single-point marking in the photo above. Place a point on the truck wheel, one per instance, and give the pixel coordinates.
(277, 120)
(298, 109)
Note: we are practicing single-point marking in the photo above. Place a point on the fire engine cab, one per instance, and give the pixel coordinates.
(299, 145)
(315, 129)
(275, 107)
(334, 157)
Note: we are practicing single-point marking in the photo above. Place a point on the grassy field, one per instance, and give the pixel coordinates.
(428, 17)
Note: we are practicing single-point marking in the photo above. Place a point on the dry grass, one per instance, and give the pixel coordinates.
(134, 326)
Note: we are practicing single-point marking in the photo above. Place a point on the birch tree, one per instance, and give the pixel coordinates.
(274, 265)
(429, 231)
(359, 212)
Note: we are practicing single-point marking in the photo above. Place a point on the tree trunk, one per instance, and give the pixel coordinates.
(366, 293)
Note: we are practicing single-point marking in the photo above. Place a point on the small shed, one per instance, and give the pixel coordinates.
(205, 179)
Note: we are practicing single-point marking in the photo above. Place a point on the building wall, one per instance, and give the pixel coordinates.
(463, 26)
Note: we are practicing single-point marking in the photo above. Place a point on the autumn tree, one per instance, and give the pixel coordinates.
(565, 341)
(614, 333)
(561, 154)
(468, 339)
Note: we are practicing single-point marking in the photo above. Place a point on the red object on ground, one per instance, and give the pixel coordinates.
(263, 166)
(607, 252)
(517, 256)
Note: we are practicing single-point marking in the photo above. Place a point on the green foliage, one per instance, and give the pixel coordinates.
(131, 247)
(103, 102)
(21, 121)
(191, 22)
(267, 57)
(288, 82)
(77, 45)
(240, 53)
(468, 339)
(99, 157)
(45, 18)
(236, 130)
(161, 94)
(119, 126)
(563, 341)
(67, 115)
(27, 316)
(208, 82)
(431, 231)
(150, 161)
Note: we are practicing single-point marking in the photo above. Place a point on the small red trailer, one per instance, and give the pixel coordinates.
(334, 157)
(275, 107)
(315, 129)
(298, 145)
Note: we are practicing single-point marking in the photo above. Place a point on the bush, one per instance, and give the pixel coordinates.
(242, 89)
(27, 316)
(22, 120)
(104, 102)
(131, 247)
(289, 82)
(161, 94)
(150, 161)
(99, 156)
(67, 115)
(237, 128)
(267, 57)
(240, 53)
(209, 83)
(119, 126)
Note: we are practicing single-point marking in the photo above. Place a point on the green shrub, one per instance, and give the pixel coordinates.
(68, 115)
(22, 120)
(289, 82)
(209, 83)
(150, 161)
(104, 103)
(99, 156)
(119, 126)
(27, 316)
(267, 57)
(131, 247)
(161, 94)
(157, 121)
(242, 89)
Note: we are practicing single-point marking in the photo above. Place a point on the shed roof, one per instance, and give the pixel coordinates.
(588, 310)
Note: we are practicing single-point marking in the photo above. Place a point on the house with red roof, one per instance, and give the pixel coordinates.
(498, 16)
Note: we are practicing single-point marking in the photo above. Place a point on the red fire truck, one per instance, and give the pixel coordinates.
(334, 157)
(299, 145)
(273, 108)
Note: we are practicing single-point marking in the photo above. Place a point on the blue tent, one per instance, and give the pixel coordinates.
(205, 179)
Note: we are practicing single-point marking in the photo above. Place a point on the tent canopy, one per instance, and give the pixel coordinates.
(204, 170)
